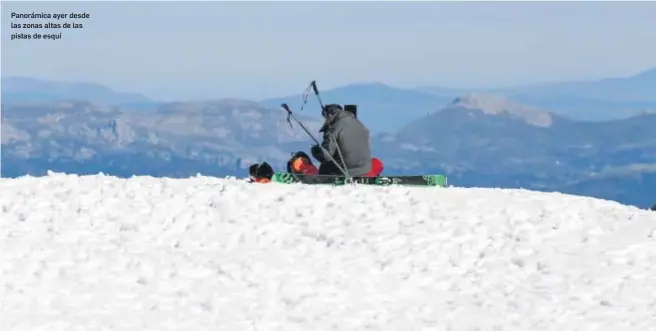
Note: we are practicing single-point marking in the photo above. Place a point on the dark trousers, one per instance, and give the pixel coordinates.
(329, 168)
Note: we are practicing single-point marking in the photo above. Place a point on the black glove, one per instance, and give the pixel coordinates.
(317, 153)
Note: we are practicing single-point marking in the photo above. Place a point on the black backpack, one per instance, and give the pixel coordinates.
(295, 156)
(260, 170)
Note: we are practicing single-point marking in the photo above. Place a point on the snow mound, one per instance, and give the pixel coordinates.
(102, 253)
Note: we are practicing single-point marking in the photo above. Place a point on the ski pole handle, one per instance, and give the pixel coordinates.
(316, 92)
(286, 107)
(314, 87)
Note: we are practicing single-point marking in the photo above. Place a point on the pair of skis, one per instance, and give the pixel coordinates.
(405, 180)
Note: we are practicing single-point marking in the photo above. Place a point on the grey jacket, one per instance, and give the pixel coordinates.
(352, 137)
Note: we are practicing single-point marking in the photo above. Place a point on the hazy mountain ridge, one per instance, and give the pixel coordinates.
(638, 88)
(386, 108)
(602, 99)
(28, 90)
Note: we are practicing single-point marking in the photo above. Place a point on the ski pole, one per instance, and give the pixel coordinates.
(290, 115)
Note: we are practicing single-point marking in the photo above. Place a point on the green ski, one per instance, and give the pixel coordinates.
(405, 180)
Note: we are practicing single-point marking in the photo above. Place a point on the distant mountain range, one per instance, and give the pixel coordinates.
(176, 139)
(476, 138)
(25, 89)
(486, 141)
(387, 108)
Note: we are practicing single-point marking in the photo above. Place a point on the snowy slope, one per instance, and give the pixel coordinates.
(100, 253)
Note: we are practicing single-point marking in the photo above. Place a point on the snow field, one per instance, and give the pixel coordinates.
(102, 253)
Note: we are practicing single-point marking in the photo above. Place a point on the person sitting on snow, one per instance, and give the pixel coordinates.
(346, 141)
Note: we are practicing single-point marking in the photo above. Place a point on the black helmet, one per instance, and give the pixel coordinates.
(331, 109)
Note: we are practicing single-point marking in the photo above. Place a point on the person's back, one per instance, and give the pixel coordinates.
(345, 131)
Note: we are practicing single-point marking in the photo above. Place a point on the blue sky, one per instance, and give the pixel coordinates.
(183, 50)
